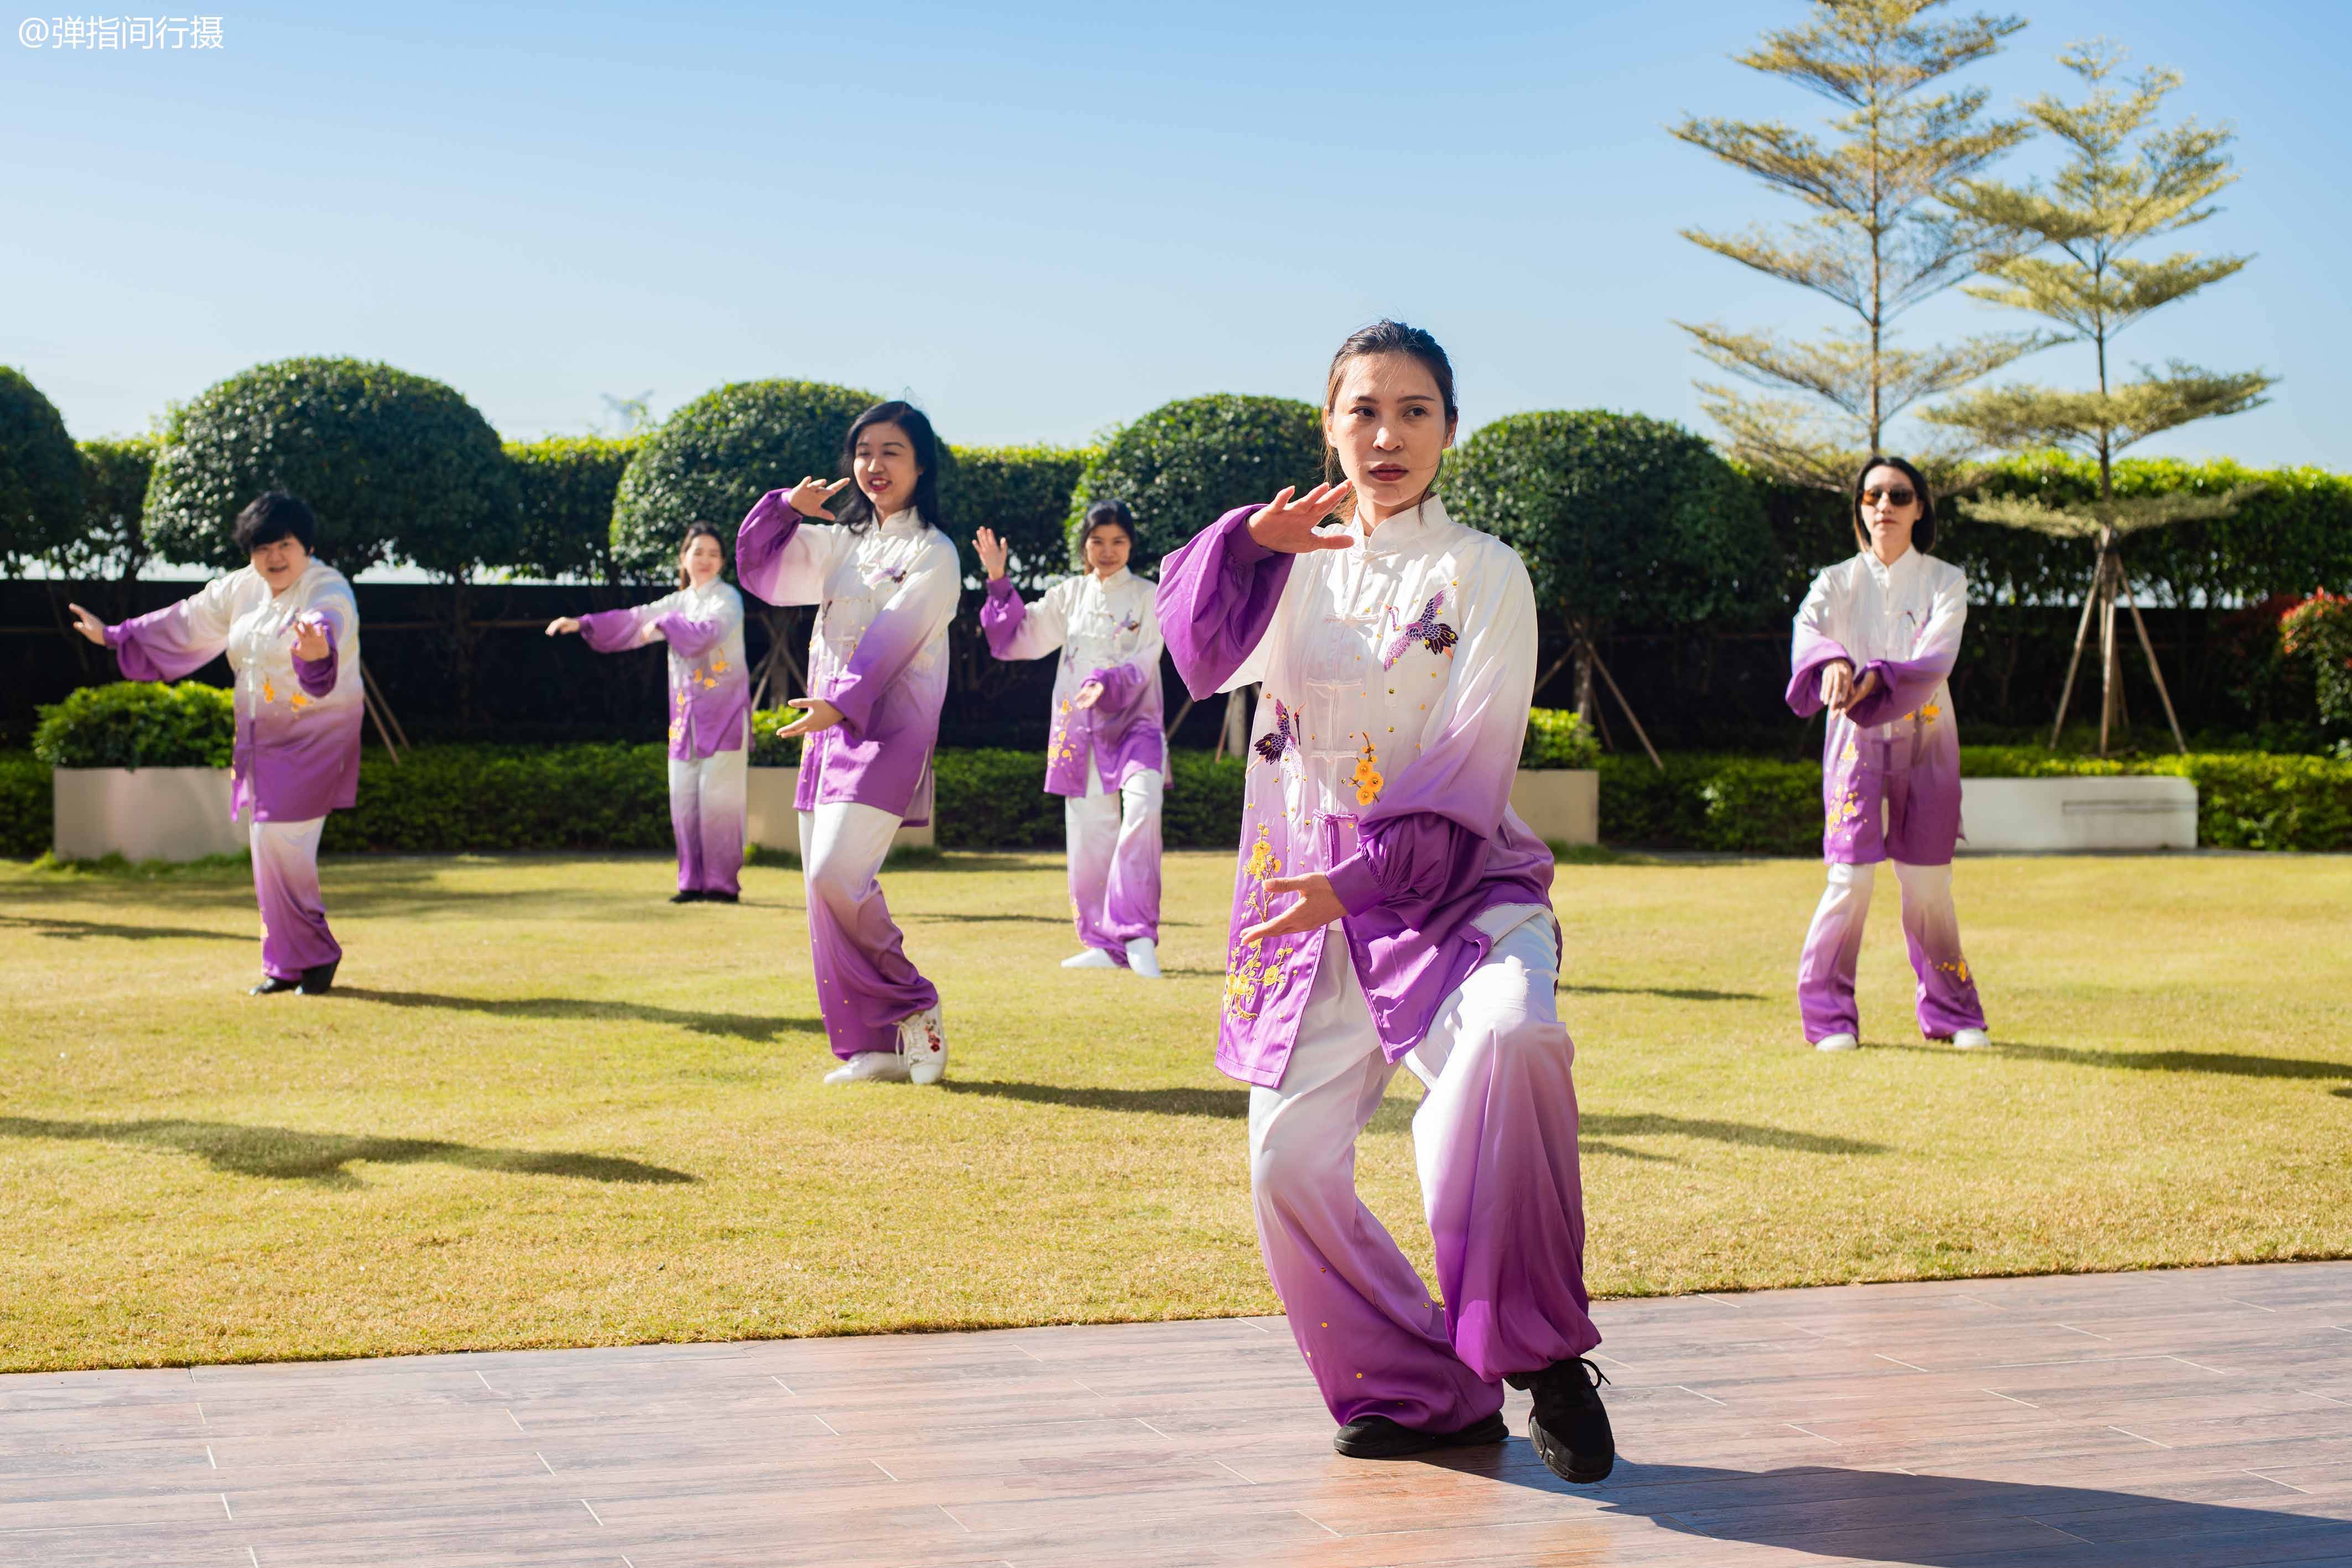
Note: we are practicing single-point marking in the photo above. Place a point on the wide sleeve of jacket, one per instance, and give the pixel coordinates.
(1217, 597)
(693, 628)
(1904, 684)
(1125, 683)
(179, 639)
(917, 612)
(618, 631)
(1018, 631)
(1424, 840)
(1811, 648)
(783, 557)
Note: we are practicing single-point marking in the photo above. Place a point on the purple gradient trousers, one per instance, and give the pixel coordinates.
(708, 799)
(865, 983)
(1947, 990)
(1495, 1141)
(1114, 838)
(294, 935)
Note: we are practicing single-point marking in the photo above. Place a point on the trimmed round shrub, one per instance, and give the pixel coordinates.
(40, 473)
(709, 461)
(139, 724)
(1022, 493)
(1621, 518)
(567, 485)
(397, 466)
(1185, 464)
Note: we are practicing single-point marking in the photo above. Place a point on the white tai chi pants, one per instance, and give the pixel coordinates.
(1494, 1143)
(294, 935)
(865, 983)
(708, 799)
(1947, 1000)
(1114, 838)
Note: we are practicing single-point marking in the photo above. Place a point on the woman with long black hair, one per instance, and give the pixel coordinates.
(1105, 756)
(1389, 908)
(1873, 641)
(709, 710)
(885, 581)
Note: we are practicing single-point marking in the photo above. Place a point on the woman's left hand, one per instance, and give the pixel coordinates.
(817, 714)
(1087, 695)
(1317, 906)
(311, 637)
(1862, 687)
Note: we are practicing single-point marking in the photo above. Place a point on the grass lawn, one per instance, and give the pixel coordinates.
(546, 1108)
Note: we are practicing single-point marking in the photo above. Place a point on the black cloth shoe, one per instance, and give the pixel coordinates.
(722, 898)
(318, 978)
(687, 896)
(1568, 1427)
(271, 984)
(1377, 1438)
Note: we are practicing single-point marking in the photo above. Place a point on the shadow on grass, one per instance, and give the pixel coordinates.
(288, 1155)
(734, 1026)
(1672, 993)
(1232, 1104)
(2225, 1063)
(62, 929)
(1927, 1521)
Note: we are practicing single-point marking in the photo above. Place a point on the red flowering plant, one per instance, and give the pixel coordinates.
(2321, 626)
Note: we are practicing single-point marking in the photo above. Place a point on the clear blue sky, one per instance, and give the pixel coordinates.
(1034, 220)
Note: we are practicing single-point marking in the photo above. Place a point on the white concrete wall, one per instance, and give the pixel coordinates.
(144, 814)
(771, 824)
(2145, 812)
(1561, 805)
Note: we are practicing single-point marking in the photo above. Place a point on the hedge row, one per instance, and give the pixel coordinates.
(26, 817)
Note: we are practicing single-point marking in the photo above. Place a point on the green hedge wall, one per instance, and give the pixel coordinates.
(26, 815)
(139, 724)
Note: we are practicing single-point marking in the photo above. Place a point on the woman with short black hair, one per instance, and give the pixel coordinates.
(290, 628)
(885, 581)
(1105, 755)
(1875, 640)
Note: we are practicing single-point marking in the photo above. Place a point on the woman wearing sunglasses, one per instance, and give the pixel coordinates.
(1874, 642)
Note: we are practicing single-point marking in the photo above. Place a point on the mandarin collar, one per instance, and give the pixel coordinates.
(1401, 531)
(1906, 566)
(905, 521)
(1119, 578)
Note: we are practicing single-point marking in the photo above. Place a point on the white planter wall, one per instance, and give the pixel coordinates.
(143, 813)
(2139, 813)
(773, 824)
(1560, 805)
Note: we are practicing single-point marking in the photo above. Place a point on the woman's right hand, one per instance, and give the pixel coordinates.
(1286, 524)
(563, 623)
(993, 552)
(1837, 685)
(809, 497)
(88, 625)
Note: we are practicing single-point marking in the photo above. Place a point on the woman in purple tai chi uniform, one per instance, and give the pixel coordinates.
(291, 631)
(1389, 907)
(1874, 641)
(1105, 755)
(885, 581)
(709, 710)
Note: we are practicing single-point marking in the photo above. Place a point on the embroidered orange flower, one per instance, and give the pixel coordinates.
(1368, 775)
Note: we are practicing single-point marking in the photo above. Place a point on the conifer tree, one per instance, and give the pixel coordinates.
(1878, 240)
(2125, 182)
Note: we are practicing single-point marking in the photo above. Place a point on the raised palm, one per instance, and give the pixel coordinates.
(993, 552)
(1286, 524)
(809, 497)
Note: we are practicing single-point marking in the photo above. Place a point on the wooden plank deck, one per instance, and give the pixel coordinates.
(2194, 1419)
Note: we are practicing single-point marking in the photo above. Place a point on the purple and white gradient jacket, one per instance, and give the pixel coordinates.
(1108, 632)
(1902, 623)
(885, 598)
(709, 682)
(298, 720)
(1397, 678)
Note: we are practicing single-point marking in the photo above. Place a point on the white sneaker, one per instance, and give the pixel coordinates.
(1972, 1039)
(871, 1067)
(1143, 957)
(1836, 1042)
(923, 1047)
(1092, 958)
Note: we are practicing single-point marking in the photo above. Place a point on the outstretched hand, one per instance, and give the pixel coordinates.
(1317, 906)
(1286, 524)
(1088, 695)
(817, 714)
(809, 497)
(993, 552)
(310, 642)
(88, 625)
(561, 624)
